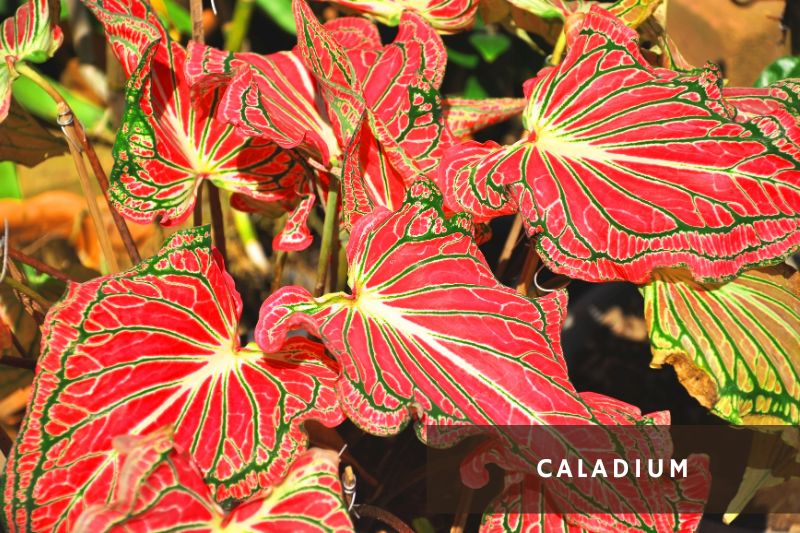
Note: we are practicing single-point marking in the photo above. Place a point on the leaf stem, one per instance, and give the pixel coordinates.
(38, 265)
(528, 271)
(217, 222)
(242, 13)
(370, 511)
(43, 302)
(277, 271)
(78, 142)
(18, 362)
(328, 228)
(196, 11)
(558, 49)
(508, 247)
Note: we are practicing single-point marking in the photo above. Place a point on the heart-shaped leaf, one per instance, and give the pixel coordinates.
(160, 489)
(734, 346)
(170, 142)
(419, 334)
(30, 35)
(626, 169)
(446, 16)
(158, 345)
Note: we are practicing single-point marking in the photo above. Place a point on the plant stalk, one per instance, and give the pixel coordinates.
(277, 270)
(508, 247)
(196, 11)
(528, 271)
(217, 221)
(18, 362)
(239, 25)
(77, 142)
(18, 286)
(38, 265)
(370, 511)
(558, 49)
(329, 227)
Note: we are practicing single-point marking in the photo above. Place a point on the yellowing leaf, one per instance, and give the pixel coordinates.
(735, 346)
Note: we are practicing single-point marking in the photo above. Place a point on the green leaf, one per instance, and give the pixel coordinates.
(280, 11)
(781, 68)
(9, 186)
(178, 16)
(462, 59)
(490, 46)
(37, 102)
(473, 89)
(734, 345)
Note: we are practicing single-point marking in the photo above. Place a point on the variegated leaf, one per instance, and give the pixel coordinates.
(631, 12)
(30, 35)
(160, 489)
(419, 335)
(446, 16)
(170, 142)
(465, 117)
(158, 345)
(272, 96)
(626, 169)
(735, 346)
(400, 133)
(780, 96)
(632, 503)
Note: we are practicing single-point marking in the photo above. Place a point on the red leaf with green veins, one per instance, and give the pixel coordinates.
(271, 96)
(419, 334)
(30, 35)
(170, 142)
(626, 170)
(465, 117)
(446, 16)
(631, 12)
(160, 489)
(752, 102)
(328, 63)
(158, 345)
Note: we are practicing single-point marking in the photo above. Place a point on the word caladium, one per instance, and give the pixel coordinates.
(154, 346)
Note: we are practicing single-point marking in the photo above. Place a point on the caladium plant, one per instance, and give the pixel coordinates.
(154, 346)
(30, 35)
(170, 143)
(151, 412)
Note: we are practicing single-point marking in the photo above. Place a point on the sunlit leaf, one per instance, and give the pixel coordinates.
(626, 169)
(30, 35)
(446, 16)
(735, 346)
(631, 12)
(160, 489)
(158, 345)
(171, 141)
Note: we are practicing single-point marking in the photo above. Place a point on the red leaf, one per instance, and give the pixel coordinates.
(161, 489)
(30, 35)
(170, 142)
(447, 16)
(627, 169)
(419, 334)
(778, 97)
(158, 345)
